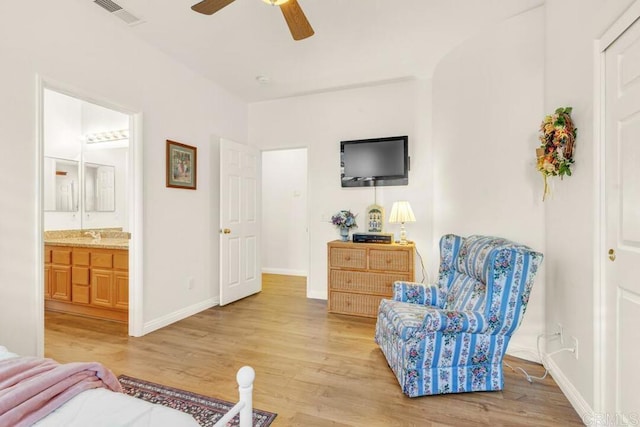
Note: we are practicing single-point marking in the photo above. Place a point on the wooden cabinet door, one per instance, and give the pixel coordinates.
(61, 282)
(47, 281)
(121, 289)
(47, 272)
(102, 287)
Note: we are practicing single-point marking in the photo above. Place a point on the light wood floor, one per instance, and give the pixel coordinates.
(312, 368)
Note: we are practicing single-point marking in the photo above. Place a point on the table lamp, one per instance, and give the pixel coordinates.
(400, 213)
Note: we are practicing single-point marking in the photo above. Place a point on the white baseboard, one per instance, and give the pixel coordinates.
(575, 398)
(285, 271)
(316, 295)
(526, 353)
(178, 315)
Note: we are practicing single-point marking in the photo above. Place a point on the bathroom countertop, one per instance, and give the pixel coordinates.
(109, 238)
(89, 242)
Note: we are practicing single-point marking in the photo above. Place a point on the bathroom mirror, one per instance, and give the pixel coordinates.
(96, 139)
(99, 188)
(61, 185)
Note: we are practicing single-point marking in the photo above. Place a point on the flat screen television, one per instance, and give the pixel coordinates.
(374, 162)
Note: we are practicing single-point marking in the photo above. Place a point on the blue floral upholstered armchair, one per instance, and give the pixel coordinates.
(451, 337)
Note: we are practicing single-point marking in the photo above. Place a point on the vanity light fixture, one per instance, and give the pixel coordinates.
(115, 135)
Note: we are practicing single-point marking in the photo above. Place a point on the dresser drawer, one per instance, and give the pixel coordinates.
(363, 282)
(81, 257)
(47, 255)
(348, 258)
(389, 260)
(61, 256)
(80, 275)
(354, 304)
(102, 259)
(80, 294)
(121, 260)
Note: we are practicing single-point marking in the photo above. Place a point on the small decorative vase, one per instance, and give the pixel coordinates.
(344, 234)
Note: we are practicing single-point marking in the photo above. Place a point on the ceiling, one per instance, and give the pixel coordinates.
(356, 42)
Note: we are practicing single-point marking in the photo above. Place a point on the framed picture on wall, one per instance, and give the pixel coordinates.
(181, 165)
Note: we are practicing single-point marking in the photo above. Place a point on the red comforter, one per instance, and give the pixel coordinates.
(32, 387)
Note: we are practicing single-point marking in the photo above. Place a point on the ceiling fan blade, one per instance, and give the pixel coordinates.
(296, 20)
(209, 7)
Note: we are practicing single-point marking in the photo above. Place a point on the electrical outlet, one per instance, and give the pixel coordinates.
(191, 283)
(574, 340)
(561, 332)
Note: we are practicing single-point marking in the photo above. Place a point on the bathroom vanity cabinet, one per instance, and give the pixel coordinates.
(88, 281)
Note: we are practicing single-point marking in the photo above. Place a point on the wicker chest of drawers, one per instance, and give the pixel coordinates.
(361, 274)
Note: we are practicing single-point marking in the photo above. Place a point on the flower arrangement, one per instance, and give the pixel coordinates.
(557, 138)
(344, 219)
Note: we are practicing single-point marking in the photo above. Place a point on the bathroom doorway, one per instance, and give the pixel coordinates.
(90, 189)
(285, 230)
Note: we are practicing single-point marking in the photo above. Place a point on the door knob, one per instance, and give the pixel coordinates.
(226, 231)
(612, 255)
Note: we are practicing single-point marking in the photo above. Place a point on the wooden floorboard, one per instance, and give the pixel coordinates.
(312, 368)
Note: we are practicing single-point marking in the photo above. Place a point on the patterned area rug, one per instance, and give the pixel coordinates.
(206, 410)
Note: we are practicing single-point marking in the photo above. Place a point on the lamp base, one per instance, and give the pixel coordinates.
(403, 235)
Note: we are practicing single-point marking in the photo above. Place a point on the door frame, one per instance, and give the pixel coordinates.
(628, 18)
(135, 203)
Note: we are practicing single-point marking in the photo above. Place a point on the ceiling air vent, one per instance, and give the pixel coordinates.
(118, 11)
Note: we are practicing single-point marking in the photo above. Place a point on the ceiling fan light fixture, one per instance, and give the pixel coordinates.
(275, 2)
(293, 15)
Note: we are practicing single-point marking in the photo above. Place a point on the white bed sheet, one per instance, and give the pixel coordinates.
(105, 408)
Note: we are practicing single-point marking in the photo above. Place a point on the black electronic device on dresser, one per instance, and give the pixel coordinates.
(386, 238)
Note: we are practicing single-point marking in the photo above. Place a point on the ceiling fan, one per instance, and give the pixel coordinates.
(293, 14)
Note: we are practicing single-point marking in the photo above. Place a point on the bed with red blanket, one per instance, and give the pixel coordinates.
(44, 393)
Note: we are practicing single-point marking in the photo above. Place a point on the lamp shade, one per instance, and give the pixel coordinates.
(401, 212)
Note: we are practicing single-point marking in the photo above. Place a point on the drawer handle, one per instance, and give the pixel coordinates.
(347, 258)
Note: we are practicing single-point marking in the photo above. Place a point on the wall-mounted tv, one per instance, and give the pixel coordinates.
(375, 162)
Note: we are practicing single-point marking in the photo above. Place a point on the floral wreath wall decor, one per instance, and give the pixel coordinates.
(557, 138)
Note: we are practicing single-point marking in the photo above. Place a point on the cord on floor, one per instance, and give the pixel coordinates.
(425, 273)
(530, 377)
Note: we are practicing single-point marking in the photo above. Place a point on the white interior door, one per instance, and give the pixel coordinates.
(240, 265)
(622, 235)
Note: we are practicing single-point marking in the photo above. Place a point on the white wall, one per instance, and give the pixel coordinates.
(285, 241)
(572, 26)
(487, 103)
(319, 122)
(67, 42)
(62, 126)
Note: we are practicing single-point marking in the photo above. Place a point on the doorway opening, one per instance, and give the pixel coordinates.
(285, 230)
(90, 204)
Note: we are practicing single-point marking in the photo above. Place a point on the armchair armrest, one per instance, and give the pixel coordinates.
(418, 293)
(451, 321)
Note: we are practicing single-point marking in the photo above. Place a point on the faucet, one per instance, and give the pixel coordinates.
(95, 234)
